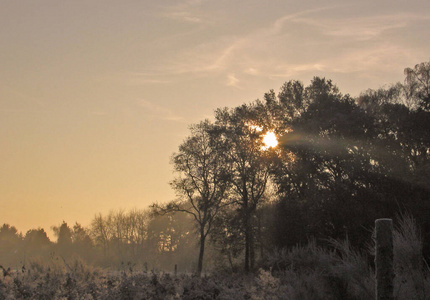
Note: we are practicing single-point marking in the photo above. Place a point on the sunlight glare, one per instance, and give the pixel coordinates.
(270, 140)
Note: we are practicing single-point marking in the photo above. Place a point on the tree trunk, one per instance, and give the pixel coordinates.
(247, 238)
(230, 260)
(251, 247)
(247, 224)
(201, 253)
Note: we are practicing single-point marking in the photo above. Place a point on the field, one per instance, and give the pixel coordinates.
(307, 272)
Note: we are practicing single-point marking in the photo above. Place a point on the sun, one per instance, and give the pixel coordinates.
(270, 140)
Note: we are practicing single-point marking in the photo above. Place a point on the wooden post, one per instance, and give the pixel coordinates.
(176, 269)
(384, 259)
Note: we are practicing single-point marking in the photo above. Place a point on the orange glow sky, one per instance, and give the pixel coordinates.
(95, 96)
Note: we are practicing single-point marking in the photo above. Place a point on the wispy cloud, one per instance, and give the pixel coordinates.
(279, 25)
(360, 28)
(183, 16)
(146, 78)
(151, 77)
(249, 53)
(290, 70)
(324, 39)
(251, 71)
(159, 111)
(232, 80)
(186, 11)
(377, 57)
(332, 35)
(211, 57)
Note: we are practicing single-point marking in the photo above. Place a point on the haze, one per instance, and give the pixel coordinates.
(95, 96)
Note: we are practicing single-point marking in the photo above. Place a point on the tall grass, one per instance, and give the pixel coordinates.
(303, 272)
(412, 280)
(341, 272)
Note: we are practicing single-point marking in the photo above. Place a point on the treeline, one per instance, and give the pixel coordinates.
(119, 240)
(341, 163)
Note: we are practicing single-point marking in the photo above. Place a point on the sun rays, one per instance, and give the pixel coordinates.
(270, 140)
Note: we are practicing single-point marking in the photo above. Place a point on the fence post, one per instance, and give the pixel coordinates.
(176, 269)
(384, 259)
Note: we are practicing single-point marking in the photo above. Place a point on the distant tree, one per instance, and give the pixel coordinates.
(202, 182)
(9, 234)
(37, 237)
(171, 240)
(100, 233)
(10, 241)
(117, 224)
(227, 236)
(64, 239)
(80, 235)
(137, 222)
(120, 235)
(63, 234)
(111, 232)
(82, 243)
(36, 243)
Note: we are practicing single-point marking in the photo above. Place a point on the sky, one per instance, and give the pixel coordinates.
(96, 96)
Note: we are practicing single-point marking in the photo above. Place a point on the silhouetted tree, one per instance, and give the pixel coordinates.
(64, 239)
(82, 243)
(242, 130)
(202, 182)
(227, 236)
(417, 84)
(36, 243)
(100, 233)
(345, 163)
(10, 241)
(9, 234)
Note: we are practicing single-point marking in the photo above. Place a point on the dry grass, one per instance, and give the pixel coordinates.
(303, 272)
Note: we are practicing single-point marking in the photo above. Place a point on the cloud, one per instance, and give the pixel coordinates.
(323, 43)
(159, 111)
(383, 56)
(142, 78)
(324, 39)
(183, 16)
(186, 11)
(249, 53)
(213, 57)
(290, 70)
(279, 25)
(222, 54)
(251, 71)
(232, 80)
(151, 77)
(359, 28)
